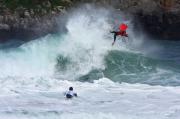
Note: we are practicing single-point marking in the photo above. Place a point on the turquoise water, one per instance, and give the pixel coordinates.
(161, 68)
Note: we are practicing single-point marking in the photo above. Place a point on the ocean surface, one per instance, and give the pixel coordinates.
(137, 78)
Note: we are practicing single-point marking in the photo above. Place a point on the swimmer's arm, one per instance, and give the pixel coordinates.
(75, 94)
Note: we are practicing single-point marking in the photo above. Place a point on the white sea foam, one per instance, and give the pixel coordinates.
(102, 99)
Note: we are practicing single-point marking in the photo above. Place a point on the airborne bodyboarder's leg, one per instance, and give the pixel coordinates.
(115, 34)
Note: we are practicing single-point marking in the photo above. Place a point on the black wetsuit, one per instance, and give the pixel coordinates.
(116, 33)
(70, 94)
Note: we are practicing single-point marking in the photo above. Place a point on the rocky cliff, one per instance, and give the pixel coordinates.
(28, 19)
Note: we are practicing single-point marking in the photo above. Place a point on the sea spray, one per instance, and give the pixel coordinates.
(84, 46)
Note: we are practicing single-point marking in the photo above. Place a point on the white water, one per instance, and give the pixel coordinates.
(102, 99)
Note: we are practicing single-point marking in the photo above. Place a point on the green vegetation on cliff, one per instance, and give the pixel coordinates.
(13, 4)
(47, 5)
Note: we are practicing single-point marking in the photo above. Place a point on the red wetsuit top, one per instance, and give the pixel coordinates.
(122, 30)
(122, 33)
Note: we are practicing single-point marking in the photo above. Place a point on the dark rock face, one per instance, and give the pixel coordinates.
(29, 22)
(163, 22)
(164, 26)
(27, 28)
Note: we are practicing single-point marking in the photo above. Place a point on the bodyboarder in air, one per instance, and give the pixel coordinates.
(122, 32)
